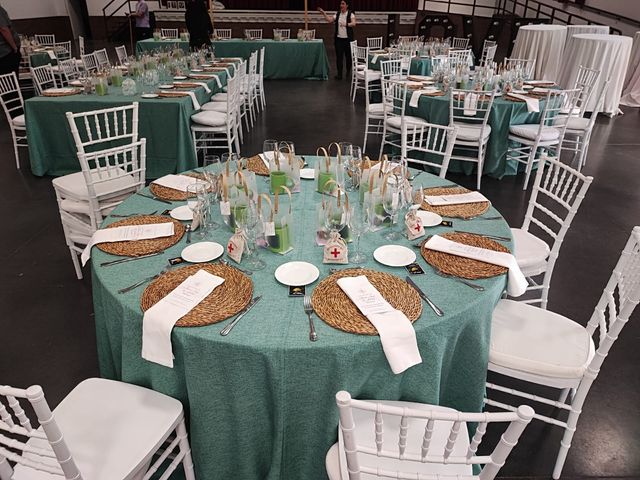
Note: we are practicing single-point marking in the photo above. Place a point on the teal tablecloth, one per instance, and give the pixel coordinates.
(38, 59)
(504, 113)
(151, 45)
(419, 65)
(164, 122)
(260, 402)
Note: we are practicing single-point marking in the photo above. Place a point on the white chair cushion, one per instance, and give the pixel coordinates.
(531, 253)
(471, 133)
(371, 75)
(376, 108)
(109, 428)
(395, 122)
(222, 97)
(536, 341)
(75, 206)
(573, 123)
(215, 107)
(75, 185)
(18, 121)
(210, 118)
(530, 131)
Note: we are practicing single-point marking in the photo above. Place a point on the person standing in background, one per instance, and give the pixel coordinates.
(9, 45)
(198, 23)
(143, 28)
(344, 22)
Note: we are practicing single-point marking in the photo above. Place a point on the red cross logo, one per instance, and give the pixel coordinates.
(335, 252)
(417, 227)
(230, 247)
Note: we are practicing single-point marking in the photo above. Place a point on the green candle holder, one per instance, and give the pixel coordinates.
(323, 179)
(281, 241)
(280, 179)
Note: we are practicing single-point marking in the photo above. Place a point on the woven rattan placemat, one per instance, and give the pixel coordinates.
(61, 94)
(135, 248)
(257, 166)
(464, 210)
(333, 306)
(461, 266)
(225, 301)
(167, 193)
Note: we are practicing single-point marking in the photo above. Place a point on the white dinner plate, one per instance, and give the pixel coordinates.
(527, 87)
(167, 86)
(394, 255)
(202, 252)
(204, 65)
(179, 77)
(196, 70)
(297, 274)
(429, 219)
(149, 95)
(519, 92)
(182, 213)
(308, 173)
(75, 83)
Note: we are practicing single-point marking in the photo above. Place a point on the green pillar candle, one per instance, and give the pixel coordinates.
(323, 178)
(238, 212)
(101, 89)
(116, 80)
(280, 179)
(280, 242)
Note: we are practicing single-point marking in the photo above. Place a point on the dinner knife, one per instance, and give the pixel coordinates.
(154, 198)
(129, 259)
(433, 306)
(493, 237)
(225, 331)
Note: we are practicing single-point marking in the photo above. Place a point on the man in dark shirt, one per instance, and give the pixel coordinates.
(198, 23)
(9, 45)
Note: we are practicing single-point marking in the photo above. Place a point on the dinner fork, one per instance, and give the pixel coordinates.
(115, 215)
(144, 280)
(308, 309)
(476, 287)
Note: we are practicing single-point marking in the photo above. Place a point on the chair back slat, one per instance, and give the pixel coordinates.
(461, 43)
(379, 427)
(283, 33)
(104, 128)
(45, 39)
(426, 439)
(374, 43)
(43, 78)
(121, 53)
(481, 429)
(169, 32)
(402, 436)
(429, 144)
(468, 101)
(585, 81)
(451, 440)
(223, 33)
(253, 33)
(309, 34)
(526, 65)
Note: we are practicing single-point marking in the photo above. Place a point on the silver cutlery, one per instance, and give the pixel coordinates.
(483, 218)
(115, 215)
(493, 237)
(188, 233)
(225, 262)
(154, 198)
(476, 287)
(129, 259)
(433, 306)
(225, 331)
(144, 280)
(308, 309)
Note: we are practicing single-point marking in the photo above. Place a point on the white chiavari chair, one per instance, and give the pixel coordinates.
(68, 71)
(282, 33)
(374, 43)
(459, 58)
(45, 39)
(394, 439)
(102, 429)
(586, 81)
(527, 66)
(13, 106)
(545, 348)
(62, 50)
(488, 54)
(222, 33)
(81, 52)
(548, 134)
(309, 34)
(253, 33)
(460, 43)
(374, 112)
(408, 38)
(121, 53)
(90, 62)
(169, 33)
(428, 145)
(469, 110)
(113, 166)
(263, 101)
(364, 79)
(43, 78)
(103, 58)
(557, 195)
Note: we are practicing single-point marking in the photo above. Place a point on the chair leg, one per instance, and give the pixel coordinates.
(565, 443)
(530, 160)
(185, 448)
(15, 148)
(366, 133)
(76, 263)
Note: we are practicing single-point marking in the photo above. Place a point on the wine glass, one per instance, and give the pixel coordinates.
(230, 157)
(391, 202)
(212, 168)
(336, 217)
(269, 147)
(360, 223)
(197, 202)
(248, 222)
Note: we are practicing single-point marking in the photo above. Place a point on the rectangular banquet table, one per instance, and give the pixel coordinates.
(261, 401)
(164, 122)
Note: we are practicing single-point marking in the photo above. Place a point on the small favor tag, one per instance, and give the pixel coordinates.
(176, 261)
(269, 229)
(297, 291)
(414, 225)
(336, 250)
(225, 208)
(414, 269)
(235, 246)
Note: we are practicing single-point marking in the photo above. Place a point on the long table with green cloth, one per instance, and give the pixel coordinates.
(283, 59)
(164, 122)
(504, 113)
(260, 402)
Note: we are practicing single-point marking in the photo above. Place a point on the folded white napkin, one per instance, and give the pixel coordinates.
(266, 157)
(160, 319)
(538, 82)
(471, 104)
(177, 182)
(374, 59)
(540, 90)
(471, 197)
(201, 84)
(533, 105)
(415, 96)
(52, 54)
(194, 100)
(517, 283)
(127, 233)
(397, 335)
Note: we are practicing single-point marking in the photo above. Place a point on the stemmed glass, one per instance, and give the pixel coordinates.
(391, 202)
(248, 223)
(352, 165)
(197, 202)
(360, 223)
(212, 168)
(336, 218)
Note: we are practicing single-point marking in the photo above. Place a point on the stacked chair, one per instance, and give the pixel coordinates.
(13, 106)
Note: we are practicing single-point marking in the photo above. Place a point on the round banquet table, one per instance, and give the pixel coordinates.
(579, 29)
(419, 65)
(631, 88)
(260, 402)
(504, 113)
(544, 43)
(607, 53)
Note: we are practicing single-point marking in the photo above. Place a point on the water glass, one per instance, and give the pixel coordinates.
(391, 202)
(197, 202)
(249, 223)
(360, 223)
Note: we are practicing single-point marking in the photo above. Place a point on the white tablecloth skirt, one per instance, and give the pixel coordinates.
(631, 87)
(579, 29)
(545, 43)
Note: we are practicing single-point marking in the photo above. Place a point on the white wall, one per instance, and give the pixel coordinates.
(484, 8)
(19, 9)
(626, 8)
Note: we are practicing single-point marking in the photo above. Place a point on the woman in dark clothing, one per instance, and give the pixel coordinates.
(344, 22)
(198, 23)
